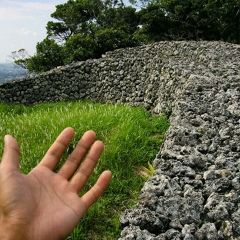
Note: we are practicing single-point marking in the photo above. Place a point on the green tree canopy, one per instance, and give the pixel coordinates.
(78, 47)
(155, 25)
(203, 19)
(73, 17)
(88, 28)
(49, 55)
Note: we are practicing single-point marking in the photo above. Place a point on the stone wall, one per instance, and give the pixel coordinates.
(112, 80)
(195, 191)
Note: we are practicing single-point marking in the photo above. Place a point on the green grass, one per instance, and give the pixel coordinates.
(132, 138)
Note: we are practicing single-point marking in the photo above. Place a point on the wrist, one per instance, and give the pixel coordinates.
(11, 231)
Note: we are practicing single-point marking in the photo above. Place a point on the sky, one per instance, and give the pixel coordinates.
(23, 24)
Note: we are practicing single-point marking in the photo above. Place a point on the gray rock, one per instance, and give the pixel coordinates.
(208, 231)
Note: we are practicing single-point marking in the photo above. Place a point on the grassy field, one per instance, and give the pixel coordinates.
(132, 138)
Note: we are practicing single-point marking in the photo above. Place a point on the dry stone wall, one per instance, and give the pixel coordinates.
(195, 191)
(114, 80)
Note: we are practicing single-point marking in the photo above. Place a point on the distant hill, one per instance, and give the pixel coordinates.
(9, 71)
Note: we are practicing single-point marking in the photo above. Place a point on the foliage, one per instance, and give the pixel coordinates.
(225, 17)
(115, 29)
(49, 55)
(146, 172)
(203, 19)
(78, 48)
(73, 17)
(88, 28)
(122, 18)
(132, 138)
(155, 24)
(20, 57)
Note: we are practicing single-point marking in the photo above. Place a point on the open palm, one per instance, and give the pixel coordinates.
(44, 204)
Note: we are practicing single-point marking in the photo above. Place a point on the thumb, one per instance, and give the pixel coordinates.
(11, 153)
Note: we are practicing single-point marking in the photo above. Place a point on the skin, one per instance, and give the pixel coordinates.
(45, 204)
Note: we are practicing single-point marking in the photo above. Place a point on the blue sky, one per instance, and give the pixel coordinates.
(22, 24)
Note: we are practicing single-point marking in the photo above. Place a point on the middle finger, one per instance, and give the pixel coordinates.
(73, 162)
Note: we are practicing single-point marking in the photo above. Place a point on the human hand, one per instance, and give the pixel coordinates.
(43, 204)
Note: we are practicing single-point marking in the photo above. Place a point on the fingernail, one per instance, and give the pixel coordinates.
(6, 138)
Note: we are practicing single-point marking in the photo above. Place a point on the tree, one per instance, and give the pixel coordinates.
(155, 25)
(49, 55)
(113, 3)
(141, 3)
(85, 29)
(203, 19)
(110, 39)
(100, 26)
(225, 16)
(88, 28)
(73, 17)
(116, 28)
(187, 17)
(20, 58)
(122, 18)
(78, 48)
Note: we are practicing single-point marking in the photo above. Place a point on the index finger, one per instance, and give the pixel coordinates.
(11, 153)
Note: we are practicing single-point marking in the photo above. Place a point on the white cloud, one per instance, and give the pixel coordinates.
(23, 24)
(13, 14)
(25, 32)
(16, 10)
(35, 6)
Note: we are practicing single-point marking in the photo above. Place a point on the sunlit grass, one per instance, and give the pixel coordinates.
(132, 138)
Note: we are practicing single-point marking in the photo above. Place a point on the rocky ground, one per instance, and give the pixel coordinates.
(195, 191)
